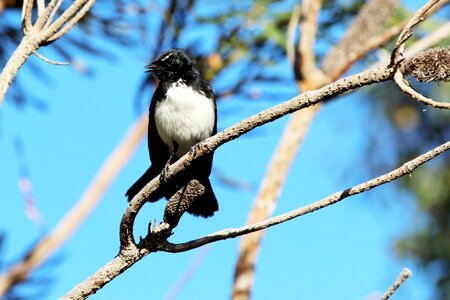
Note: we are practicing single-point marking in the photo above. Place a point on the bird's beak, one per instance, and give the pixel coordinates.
(153, 68)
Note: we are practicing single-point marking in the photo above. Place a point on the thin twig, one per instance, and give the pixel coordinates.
(57, 4)
(405, 87)
(27, 10)
(43, 58)
(397, 56)
(405, 274)
(43, 18)
(68, 19)
(407, 32)
(425, 42)
(422, 44)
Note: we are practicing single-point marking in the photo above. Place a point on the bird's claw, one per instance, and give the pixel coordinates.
(163, 175)
(194, 149)
(164, 171)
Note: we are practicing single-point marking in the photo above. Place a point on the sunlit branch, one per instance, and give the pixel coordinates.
(56, 4)
(27, 10)
(301, 101)
(405, 274)
(52, 62)
(405, 87)
(367, 24)
(43, 32)
(69, 18)
(407, 32)
(405, 169)
(397, 57)
(309, 77)
(157, 239)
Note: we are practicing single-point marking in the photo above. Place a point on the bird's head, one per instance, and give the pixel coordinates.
(170, 63)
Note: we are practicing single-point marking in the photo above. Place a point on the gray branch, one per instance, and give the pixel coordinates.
(156, 240)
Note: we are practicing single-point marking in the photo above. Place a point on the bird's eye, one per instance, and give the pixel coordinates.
(169, 61)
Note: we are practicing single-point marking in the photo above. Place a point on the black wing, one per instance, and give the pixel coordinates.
(158, 152)
(157, 149)
(202, 166)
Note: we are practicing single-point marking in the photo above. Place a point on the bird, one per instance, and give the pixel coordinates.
(182, 113)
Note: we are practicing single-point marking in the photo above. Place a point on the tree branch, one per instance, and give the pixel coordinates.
(42, 33)
(130, 252)
(405, 274)
(27, 11)
(299, 102)
(429, 40)
(309, 77)
(307, 59)
(368, 23)
(405, 169)
(371, 44)
(27, 46)
(405, 87)
(302, 101)
(68, 19)
(157, 239)
(52, 62)
(56, 4)
(418, 17)
(397, 57)
(376, 40)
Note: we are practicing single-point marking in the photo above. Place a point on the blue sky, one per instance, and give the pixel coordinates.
(342, 252)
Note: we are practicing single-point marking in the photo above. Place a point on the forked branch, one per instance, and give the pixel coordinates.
(43, 32)
(397, 57)
(157, 239)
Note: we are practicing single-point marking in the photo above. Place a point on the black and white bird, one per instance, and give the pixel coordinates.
(182, 114)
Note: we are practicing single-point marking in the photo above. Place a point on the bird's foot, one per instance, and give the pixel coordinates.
(194, 149)
(165, 170)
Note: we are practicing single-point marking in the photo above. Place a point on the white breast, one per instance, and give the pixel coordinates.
(185, 117)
